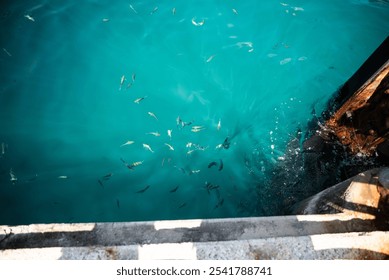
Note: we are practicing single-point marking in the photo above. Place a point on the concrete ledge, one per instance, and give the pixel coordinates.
(372, 245)
(159, 232)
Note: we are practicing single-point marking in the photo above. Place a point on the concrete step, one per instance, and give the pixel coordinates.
(354, 246)
(177, 231)
(283, 237)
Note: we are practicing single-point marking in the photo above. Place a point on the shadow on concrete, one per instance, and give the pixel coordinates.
(119, 234)
(246, 238)
(332, 201)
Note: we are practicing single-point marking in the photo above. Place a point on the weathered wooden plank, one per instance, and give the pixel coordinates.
(362, 122)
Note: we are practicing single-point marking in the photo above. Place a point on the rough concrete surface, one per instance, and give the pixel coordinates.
(119, 234)
(338, 236)
(358, 246)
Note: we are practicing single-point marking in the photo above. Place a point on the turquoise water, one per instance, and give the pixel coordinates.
(258, 67)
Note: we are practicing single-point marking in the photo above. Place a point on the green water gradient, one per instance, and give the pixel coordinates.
(259, 69)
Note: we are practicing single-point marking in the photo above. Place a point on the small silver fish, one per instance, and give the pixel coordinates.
(178, 121)
(183, 124)
(189, 144)
(152, 115)
(129, 85)
(197, 23)
(154, 10)
(143, 190)
(221, 165)
(247, 44)
(107, 177)
(138, 100)
(201, 148)
(2, 148)
(133, 77)
(127, 143)
(182, 205)
(169, 133)
(13, 177)
(181, 169)
(220, 203)
(134, 164)
(132, 8)
(62, 177)
(156, 134)
(235, 11)
(220, 146)
(190, 152)
(219, 125)
(147, 147)
(285, 61)
(137, 163)
(122, 80)
(105, 19)
(197, 128)
(210, 58)
(29, 17)
(174, 11)
(7, 52)
(226, 143)
(170, 147)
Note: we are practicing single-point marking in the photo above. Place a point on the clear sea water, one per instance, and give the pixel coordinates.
(257, 66)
